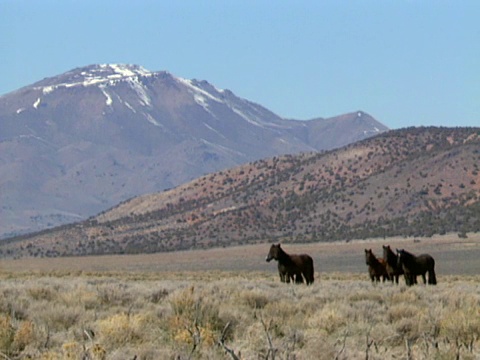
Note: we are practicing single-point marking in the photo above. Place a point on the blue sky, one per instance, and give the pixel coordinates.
(407, 63)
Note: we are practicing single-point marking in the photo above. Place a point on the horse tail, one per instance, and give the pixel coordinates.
(312, 277)
(311, 271)
(432, 278)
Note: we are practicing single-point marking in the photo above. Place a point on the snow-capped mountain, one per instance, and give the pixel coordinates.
(78, 143)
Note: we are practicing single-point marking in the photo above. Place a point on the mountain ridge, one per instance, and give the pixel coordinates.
(77, 143)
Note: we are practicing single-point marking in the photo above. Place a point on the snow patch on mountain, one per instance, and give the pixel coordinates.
(202, 97)
(202, 101)
(199, 95)
(48, 89)
(247, 118)
(109, 100)
(38, 138)
(139, 88)
(152, 120)
(375, 130)
(130, 107)
(108, 74)
(127, 70)
(222, 148)
(214, 130)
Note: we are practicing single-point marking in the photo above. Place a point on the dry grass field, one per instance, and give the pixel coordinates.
(229, 304)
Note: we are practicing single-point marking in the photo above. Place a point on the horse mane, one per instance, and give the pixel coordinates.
(372, 257)
(283, 256)
(406, 256)
(280, 250)
(391, 258)
(405, 252)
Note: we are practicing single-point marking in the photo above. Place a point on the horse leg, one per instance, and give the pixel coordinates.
(292, 276)
(310, 274)
(391, 276)
(387, 276)
(414, 279)
(424, 279)
(298, 278)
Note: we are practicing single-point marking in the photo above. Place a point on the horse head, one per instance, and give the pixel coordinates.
(368, 256)
(273, 253)
(385, 250)
(388, 254)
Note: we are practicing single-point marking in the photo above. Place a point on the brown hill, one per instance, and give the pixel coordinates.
(410, 182)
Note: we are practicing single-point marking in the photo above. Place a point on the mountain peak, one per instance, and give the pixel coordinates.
(93, 75)
(115, 70)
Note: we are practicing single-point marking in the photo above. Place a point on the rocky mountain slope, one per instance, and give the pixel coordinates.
(78, 143)
(410, 182)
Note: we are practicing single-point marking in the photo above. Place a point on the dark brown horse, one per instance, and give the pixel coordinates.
(393, 270)
(416, 265)
(292, 265)
(376, 267)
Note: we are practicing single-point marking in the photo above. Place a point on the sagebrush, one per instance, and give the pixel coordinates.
(225, 315)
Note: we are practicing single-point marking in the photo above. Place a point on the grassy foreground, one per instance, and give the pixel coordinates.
(227, 315)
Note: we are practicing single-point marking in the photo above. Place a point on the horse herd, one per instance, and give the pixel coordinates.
(392, 265)
(299, 268)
